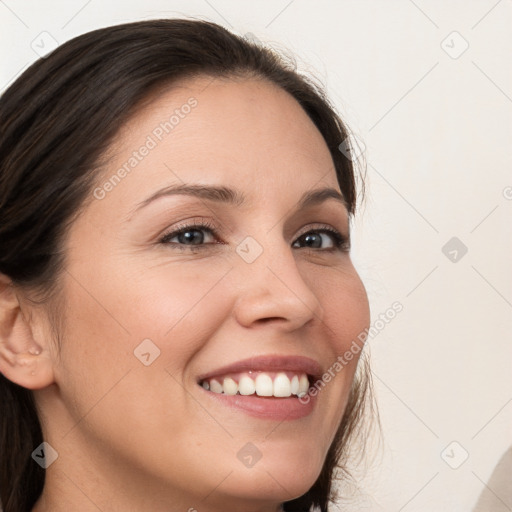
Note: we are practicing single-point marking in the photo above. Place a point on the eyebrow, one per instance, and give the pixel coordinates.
(223, 194)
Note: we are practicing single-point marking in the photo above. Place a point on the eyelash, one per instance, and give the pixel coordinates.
(341, 242)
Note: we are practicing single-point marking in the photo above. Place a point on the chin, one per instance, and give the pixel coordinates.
(262, 487)
(280, 475)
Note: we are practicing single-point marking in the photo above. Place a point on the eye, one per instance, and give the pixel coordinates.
(315, 239)
(200, 235)
(192, 235)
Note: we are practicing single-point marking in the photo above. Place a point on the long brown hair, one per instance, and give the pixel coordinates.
(56, 121)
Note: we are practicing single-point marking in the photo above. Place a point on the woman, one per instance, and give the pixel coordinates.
(176, 291)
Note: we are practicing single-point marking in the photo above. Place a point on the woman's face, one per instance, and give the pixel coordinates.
(259, 297)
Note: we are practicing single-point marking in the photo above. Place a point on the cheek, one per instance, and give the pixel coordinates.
(112, 308)
(179, 308)
(346, 318)
(102, 380)
(139, 328)
(346, 311)
(171, 304)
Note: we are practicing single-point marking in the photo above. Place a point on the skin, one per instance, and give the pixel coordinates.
(132, 437)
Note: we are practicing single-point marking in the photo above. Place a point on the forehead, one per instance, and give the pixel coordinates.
(248, 133)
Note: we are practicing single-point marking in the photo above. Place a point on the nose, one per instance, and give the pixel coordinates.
(272, 289)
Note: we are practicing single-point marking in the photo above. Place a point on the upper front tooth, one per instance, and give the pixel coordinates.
(282, 385)
(264, 385)
(246, 385)
(230, 386)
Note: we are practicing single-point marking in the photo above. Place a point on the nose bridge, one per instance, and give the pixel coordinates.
(272, 285)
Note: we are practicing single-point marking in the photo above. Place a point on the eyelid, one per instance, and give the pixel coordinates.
(319, 226)
(184, 225)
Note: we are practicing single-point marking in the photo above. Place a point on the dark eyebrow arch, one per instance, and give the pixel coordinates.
(318, 196)
(211, 192)
(228, 195)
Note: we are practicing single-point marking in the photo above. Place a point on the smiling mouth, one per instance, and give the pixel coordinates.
(277, 384)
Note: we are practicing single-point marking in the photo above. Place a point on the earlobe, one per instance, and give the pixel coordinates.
(31, 371)
(23, 360)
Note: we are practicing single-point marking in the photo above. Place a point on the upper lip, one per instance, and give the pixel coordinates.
(299, 364)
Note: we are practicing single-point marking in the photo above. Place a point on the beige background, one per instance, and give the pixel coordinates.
(436, 120)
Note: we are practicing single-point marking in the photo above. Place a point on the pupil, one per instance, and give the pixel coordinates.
(311, 238)
(190, 236)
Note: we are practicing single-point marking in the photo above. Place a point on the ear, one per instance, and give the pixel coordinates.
(23, 359)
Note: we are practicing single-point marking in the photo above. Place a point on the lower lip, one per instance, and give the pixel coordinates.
(278, 409)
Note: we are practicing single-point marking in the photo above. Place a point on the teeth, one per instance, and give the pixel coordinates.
(262, 384)
(295, 385)
(282, 385)
(216, 386)
(230, 386)
(246, 386)
(303, 385)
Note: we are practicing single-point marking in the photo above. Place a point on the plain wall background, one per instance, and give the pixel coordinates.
(437, 128)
